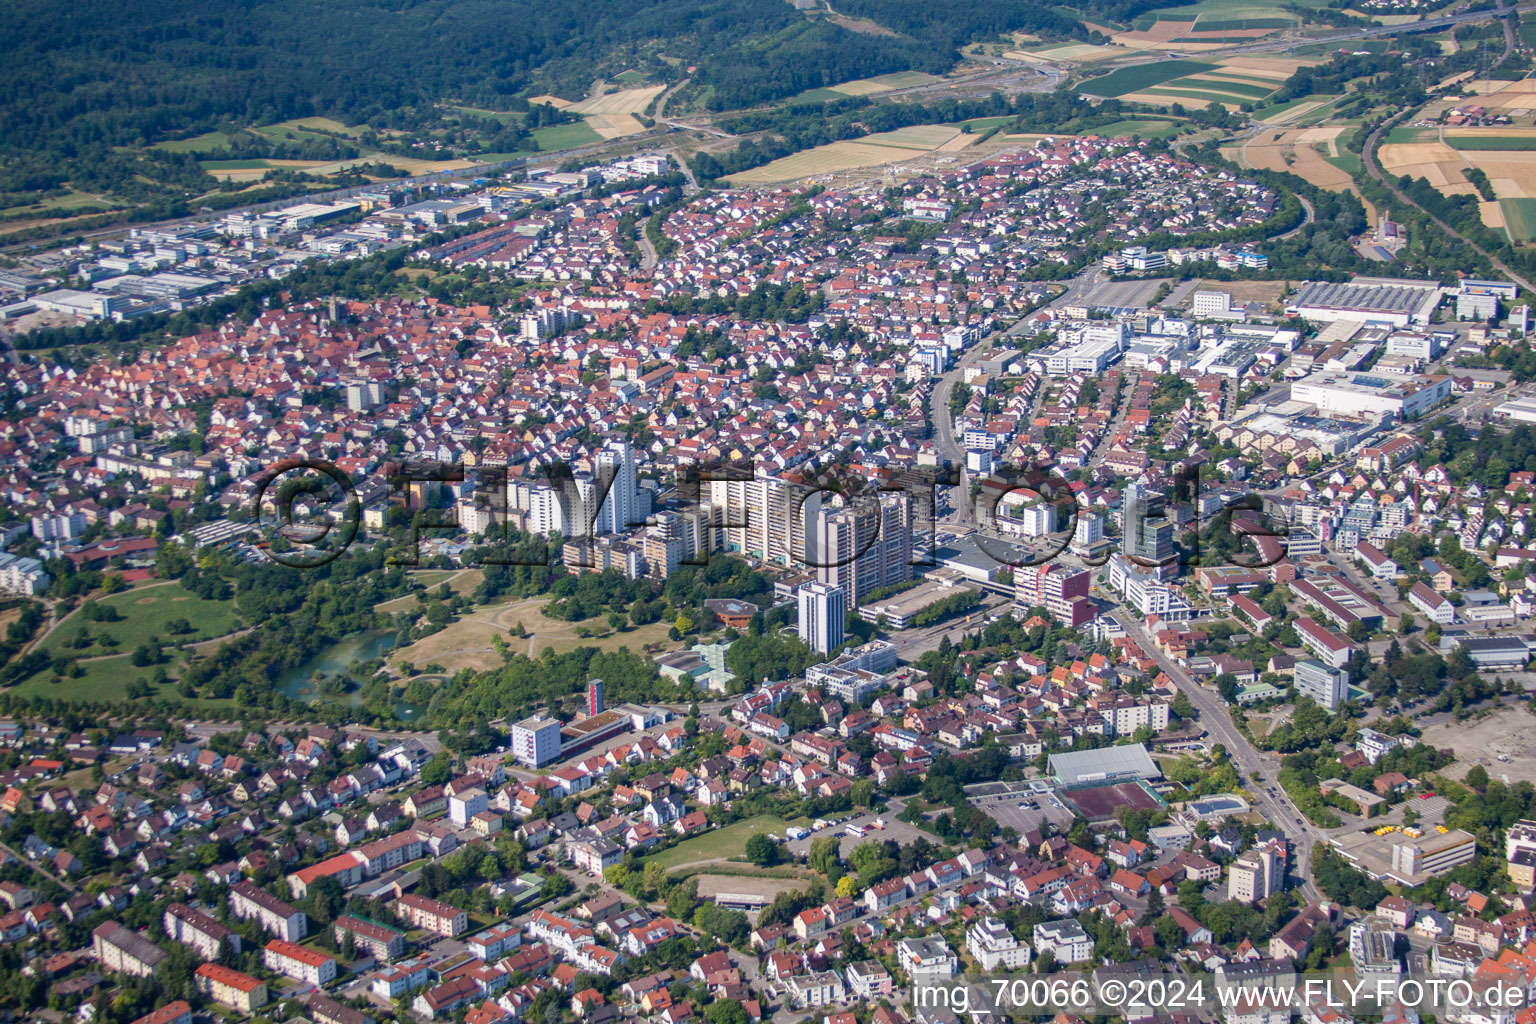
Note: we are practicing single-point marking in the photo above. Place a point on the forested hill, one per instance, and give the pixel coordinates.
(127, 72)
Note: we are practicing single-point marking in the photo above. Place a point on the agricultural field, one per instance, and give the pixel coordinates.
(1512, 174)
(1315, 154)
(1519, 218)
(609, 115)
(864, 87)
(1072, 53)
(883, 83)
(1501, 139)
(1291, 111)
(901, 146)
(1143, 76)
(1140, 129)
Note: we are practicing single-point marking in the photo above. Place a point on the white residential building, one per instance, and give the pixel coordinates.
(992, 945)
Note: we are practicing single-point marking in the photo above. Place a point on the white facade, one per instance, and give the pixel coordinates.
(926, 958)
(1359, 394)
(822, 608)
(1324, 684)
(1065, 940)
(536, 741)
(992, 945)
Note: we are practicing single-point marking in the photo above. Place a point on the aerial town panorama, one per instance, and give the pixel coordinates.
(763, 512)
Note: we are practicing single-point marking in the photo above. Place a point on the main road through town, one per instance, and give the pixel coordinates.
(1268, 798)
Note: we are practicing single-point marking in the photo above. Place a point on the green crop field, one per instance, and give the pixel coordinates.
(1139, 129)
(1519, 218)
(981, 124)
(1141, 77)
(902, 79)
(1247, 90)
(1203, 95)
(1241, 24)
(1346, 161)
(818, 96)
(1491, 142)
(209, 142)
(565, 136)
(1404, 133)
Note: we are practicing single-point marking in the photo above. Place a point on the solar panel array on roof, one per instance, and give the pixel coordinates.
(1385, 298)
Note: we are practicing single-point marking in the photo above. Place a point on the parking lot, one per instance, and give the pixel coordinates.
(899, 831)
(1019, 806)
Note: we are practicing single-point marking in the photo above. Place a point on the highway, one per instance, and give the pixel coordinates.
(1427, 25)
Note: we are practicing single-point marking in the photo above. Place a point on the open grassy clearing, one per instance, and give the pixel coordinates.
(103, 680)
(981, 124)
(723, 843)
(462, 581)
(69, 201)
(468, 643)
(146, 611)
(207, 142)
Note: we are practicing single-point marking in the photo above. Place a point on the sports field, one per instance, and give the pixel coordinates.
(895, 147)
